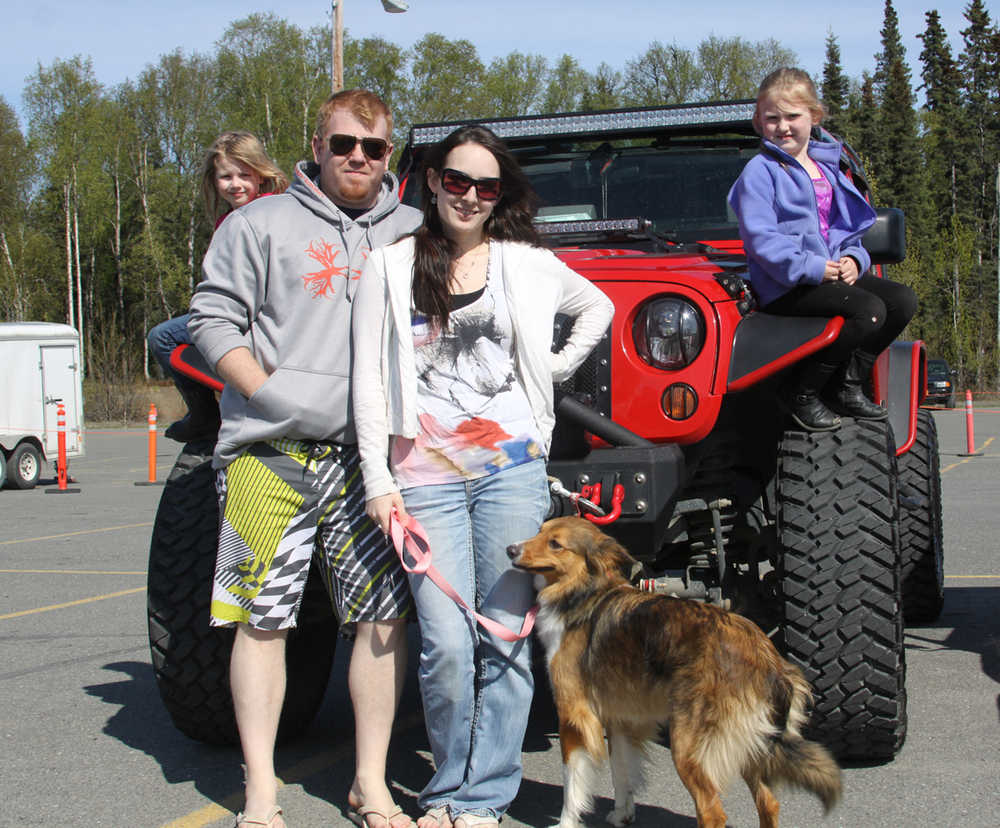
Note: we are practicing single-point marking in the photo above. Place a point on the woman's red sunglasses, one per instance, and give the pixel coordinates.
(458, 183)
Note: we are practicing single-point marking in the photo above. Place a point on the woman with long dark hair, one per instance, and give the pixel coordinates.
(453, 376)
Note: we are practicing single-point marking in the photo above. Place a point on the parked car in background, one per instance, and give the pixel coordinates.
(940, 383)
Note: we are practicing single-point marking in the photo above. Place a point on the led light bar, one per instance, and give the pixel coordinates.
(581, 123)
(561, 228)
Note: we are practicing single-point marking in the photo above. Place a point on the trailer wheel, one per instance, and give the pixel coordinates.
(921, 543)
(24, 466)
(839, 573)
(190, 658)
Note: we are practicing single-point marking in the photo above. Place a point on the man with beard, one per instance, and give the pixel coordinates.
(273, 316)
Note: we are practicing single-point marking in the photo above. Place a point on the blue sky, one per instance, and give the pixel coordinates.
(123, 36)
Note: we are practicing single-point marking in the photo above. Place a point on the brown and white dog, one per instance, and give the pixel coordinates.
(627, 662)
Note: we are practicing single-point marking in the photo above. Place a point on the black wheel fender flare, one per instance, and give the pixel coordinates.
(905, 386)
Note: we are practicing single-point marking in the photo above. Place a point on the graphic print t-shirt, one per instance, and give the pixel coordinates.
(475, 418)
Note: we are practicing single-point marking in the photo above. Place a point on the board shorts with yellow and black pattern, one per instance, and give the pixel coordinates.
(283, 503)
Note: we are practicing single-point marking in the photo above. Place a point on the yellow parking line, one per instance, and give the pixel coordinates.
(967, 459)
(74, 534)
(207, 815)
(73, 603)
(212, 812)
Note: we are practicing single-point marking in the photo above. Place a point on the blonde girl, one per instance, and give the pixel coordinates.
(801, 221)
(236, 170)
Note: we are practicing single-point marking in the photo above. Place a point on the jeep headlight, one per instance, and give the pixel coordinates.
(669, 332)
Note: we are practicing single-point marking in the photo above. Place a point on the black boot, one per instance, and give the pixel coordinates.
(202, 420)
(848, 396)
(802, 398)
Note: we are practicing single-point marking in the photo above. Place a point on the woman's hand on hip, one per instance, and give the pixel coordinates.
(379, 509)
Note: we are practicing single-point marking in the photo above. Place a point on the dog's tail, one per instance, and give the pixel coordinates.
(804, 764)
(793, 759)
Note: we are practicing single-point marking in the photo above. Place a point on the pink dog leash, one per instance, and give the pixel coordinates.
(412, 538)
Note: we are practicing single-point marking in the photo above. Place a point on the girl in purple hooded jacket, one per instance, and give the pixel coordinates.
(801, 221)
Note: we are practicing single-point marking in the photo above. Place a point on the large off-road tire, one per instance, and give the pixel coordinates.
(921, 545)
(839, 579)
(190, 658)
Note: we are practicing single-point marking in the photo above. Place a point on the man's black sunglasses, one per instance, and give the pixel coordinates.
(374, 148)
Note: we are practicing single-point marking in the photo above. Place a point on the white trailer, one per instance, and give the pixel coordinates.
(39, 367)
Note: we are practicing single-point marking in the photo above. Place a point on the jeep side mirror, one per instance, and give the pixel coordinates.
(885, 240)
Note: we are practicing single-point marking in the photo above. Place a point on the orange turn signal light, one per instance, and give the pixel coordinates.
(679, 401)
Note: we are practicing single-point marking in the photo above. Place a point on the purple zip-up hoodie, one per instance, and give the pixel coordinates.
(775, 203)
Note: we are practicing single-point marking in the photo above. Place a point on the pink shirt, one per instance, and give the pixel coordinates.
(824, 201)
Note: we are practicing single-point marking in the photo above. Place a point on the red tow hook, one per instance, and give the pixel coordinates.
(617, 496)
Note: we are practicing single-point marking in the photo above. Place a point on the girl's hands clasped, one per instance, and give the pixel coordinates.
(848, 270)
(831, 273)
(845, 270)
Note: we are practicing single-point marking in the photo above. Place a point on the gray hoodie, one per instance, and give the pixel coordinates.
(279, 278)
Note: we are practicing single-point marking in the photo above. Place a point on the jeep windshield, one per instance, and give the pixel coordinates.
(668, 167)
(680, 187)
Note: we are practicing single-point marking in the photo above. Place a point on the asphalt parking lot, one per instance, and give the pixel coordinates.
(87, 742)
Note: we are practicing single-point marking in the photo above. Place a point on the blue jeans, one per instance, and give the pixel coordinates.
(476, 688)
(166, 336)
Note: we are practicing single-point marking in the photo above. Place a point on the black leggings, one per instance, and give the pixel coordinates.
(875, 311)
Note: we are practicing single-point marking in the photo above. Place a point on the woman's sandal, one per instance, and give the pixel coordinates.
(273, 814)
(359, 815)
(475, 821)
(438, 813)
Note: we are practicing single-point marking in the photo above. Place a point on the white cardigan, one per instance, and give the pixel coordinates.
(537, 285)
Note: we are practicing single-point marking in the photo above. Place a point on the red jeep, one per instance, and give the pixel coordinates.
(672, 428)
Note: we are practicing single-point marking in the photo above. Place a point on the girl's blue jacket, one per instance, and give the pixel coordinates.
(775, 204)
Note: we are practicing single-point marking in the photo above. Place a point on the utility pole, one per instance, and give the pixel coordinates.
(337, 47)
(337, 38)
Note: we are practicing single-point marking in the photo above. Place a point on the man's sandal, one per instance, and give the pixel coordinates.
(268, 822)
(359, 816)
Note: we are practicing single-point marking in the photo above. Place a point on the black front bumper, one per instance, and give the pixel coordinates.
(651, 477)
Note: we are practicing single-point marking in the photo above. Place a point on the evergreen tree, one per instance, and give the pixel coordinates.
(896, 151)
(943, 132)
(863, 120)
(834, 88)
(980, 99)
